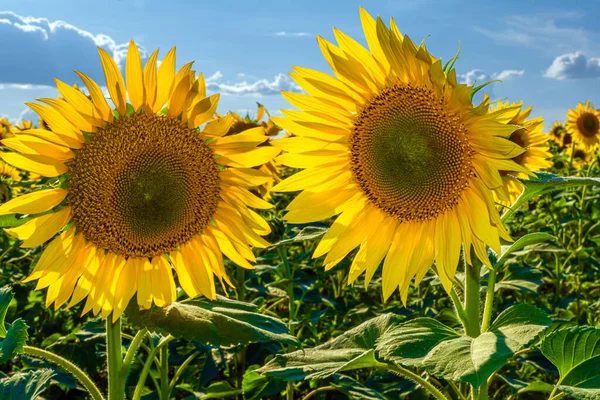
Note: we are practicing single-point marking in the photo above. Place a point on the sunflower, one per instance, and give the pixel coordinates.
(8, 176)
(5, 128)
(584, 124)
(533, 140)
(272, 167)
(582, 158)
(556, 132)
(141, 189)
(394, 146)
(23, 126)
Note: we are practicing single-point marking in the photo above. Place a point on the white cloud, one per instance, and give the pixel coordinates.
(509, 73)
(40, 50)
(573, 66)
(292, 34)
(477, 76)
(261, 87)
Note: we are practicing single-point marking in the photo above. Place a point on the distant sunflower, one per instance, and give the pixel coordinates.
(533, 140)
(395, 146)
(5, 128)
(582, 158)
(584, 124)
(556, 132)
(23, 125)
(144, 189)
(8, 176)
(272, 167)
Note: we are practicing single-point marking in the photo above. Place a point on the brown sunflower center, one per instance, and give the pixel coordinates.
(143, 185)
(520, 137)
(410, 153)
(588, 124)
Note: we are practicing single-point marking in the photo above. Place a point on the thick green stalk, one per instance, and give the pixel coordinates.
(116, 387)
(489, 301)
(67, 366)
(472, 328)
(164, 373)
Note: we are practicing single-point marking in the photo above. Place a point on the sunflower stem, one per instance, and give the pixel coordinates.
(415, 378)
(68, 366)
(164, 373)
(489, 301)
(136, 342)
(116, 386)
(282, 252)
(472, 305)
(144, 374)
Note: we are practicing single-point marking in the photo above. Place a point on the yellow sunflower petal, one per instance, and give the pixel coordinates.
(134, 76)
(34, 202)
(41, 229)
(114, 81)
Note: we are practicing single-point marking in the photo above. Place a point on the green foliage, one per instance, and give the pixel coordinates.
(25, 386)
(351, 350)
(220, 323)
(576, 353)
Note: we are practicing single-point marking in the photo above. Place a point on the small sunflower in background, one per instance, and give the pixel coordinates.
(582, 159)
(273, 168)
(556, 131)
(393, 146)
(584, 125)
(142, 189)
(23, 126)
(9, 175)
(535, 158)
(5, 128)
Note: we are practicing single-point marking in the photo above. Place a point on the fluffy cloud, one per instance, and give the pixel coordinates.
(261, 87)
(34, 51)
(573, 66)
(478, 76)
(292, 34)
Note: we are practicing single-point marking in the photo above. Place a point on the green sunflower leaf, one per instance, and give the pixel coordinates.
(222, 322)
(307, 233)
(428, 344)
(25, 386)
(576, 354)
(352, 350)
(6, 296)
(12, 344)
(547, 183)
(526, 240)
(410, 342)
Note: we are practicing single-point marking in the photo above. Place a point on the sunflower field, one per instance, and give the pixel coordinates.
(385, 238)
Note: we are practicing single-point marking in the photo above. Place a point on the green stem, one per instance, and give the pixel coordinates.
(282, 252)
(144, 374)
(482, 393)
(460, 311)
(318, 390)
(129, 356)
(416, 378)
(180, 370)
(164, 373)
(472, 300)
(489, 301)
(457, 390)
(571, 159)
(116, 388)
(67, 366)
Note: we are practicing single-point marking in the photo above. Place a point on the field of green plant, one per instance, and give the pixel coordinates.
(391, 240)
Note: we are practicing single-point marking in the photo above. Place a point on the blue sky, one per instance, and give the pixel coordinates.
(546, 52)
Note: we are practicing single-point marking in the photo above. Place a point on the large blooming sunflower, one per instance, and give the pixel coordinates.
(272, 167)
(533, 140)
(138, 193)
(394, 146)
(584, 124)
(8, 176)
